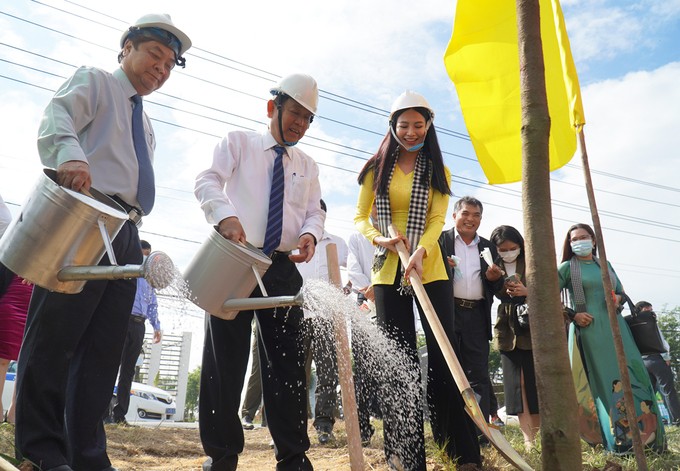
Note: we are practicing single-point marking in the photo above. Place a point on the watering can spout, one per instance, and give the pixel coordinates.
(157, 269)
(231, 307)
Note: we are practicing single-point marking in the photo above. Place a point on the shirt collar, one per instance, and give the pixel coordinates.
(122, 77)
(268, 143)
(475, 241)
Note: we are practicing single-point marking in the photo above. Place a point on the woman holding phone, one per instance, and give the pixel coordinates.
(512, 334)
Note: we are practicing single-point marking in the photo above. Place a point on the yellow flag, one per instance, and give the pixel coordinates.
(482, 59)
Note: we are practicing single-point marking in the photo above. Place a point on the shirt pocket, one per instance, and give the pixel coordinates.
(299, 190)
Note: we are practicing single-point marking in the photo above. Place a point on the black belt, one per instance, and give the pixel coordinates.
(134, 213)
(277, 256)
(137, 319)
(467, 303)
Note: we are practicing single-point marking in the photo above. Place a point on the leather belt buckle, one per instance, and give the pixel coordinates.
(466, 303)
(135, 216)
(276, 255)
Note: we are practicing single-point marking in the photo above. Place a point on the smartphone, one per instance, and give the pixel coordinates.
(512, 278)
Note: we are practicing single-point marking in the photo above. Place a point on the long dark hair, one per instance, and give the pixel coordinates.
(503, 233)
(383, 160)
(567, 253)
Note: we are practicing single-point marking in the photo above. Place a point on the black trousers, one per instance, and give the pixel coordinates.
(68, 365)
(451, 426)
(132, 348)
(471, 332)
(284, 389)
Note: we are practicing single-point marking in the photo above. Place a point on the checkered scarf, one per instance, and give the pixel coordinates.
(577, 282)
(417, 212)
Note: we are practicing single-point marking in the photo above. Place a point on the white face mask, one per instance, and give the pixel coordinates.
(582, 247)
(510, 256)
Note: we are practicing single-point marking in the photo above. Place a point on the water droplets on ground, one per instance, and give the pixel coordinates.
(385, 368)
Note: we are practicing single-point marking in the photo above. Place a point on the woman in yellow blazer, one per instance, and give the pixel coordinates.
(407, 181)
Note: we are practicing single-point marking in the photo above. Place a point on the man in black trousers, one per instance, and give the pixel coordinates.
(262, 189)
(94, 132)
(474, 285)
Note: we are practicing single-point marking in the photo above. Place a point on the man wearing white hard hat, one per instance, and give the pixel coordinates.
(95, 133)
(263, 190)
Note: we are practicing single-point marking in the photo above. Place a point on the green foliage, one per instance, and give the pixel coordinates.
(669, 323)
(191, 403)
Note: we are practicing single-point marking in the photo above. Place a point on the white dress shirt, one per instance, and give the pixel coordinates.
(469, 286)
(239, 181)
(5, 216)
(359, 260)
(317, 268)
(90, 119)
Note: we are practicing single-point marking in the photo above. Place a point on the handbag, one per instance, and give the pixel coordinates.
(522, 311)
(645, 330)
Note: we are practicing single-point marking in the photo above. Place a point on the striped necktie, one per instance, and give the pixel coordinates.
(146, 189)
(272, 236)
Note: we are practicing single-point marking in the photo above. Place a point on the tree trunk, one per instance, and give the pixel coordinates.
(557, 396)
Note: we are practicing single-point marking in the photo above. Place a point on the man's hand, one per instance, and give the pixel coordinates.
(305, 247)
(494, 272)
(368, 293)
(231, 229)
(157, 336)
(74, 175)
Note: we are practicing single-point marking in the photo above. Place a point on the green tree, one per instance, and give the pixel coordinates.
(193, 386)
(669, 323)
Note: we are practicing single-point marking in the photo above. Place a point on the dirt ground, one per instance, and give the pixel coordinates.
(168, 448)
(142, 449)
(179, 449)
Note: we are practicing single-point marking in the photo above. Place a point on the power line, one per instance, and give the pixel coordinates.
(375, 111)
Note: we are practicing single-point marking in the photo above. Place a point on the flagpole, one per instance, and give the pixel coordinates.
(611, 309)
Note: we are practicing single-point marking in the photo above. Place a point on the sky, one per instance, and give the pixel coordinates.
(363, 55)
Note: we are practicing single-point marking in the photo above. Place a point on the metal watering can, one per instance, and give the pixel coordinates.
(60, 236)
(223, 274)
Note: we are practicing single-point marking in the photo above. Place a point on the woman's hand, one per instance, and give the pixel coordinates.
(583, 319)
(516, 288)
(390, 243)
(415, 262)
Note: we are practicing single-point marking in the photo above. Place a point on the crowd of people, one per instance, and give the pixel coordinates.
(262, 189)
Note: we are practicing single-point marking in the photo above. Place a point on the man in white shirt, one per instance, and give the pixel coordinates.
(5, 216)
(359, 265)
(360, 261)
(320, 345)
(473, 293)
(235, 194)
(94, 133)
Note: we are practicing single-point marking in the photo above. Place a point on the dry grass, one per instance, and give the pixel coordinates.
(179, 449)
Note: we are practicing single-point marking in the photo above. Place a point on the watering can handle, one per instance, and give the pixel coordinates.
(259, 280)
(101, 221)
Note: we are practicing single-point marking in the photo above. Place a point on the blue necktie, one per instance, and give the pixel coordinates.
(146, 189)
(272, 236)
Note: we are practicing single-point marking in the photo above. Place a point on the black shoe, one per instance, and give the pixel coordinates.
(366, 438)
(121, 421)
(325, 436)
(247, 423)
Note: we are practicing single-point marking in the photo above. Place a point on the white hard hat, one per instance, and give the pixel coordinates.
(301, 88)
(164, 22)
(410, 99)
